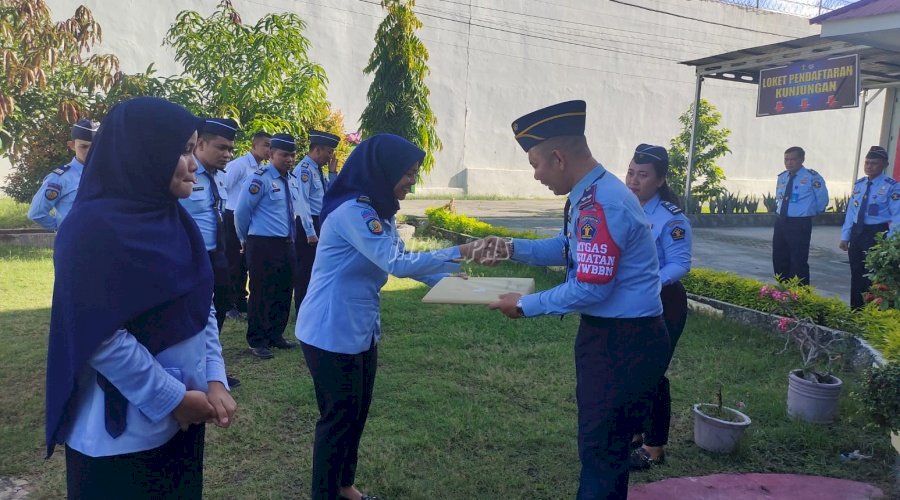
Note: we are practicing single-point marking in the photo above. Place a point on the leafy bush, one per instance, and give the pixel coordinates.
(880, 395)
(840, 204)
(444, 218)
(880, 328)
(884, 261)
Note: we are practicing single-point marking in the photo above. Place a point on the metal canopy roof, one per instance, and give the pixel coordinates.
(877, 67)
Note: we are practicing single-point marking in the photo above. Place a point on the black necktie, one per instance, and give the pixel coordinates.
(322, 178)
(861, 216)
(566, 233)
(290, 207)
(217, 208)
(786, 199)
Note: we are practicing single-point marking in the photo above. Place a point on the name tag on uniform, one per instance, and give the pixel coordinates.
(795, 197)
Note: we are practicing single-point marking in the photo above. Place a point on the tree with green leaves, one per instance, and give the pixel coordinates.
(260, 75)
(712, 144)
(50, 83)
(398, 97)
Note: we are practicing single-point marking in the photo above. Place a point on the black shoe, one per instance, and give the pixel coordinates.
(232, 382)
(640, 460)
(284, 343)
(262, 352)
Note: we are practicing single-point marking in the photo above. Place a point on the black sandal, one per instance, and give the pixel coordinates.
(640, 459)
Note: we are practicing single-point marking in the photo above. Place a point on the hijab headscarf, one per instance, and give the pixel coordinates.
(128, 256)
(374, 167)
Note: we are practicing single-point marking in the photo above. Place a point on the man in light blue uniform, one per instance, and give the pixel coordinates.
(800, 193)
(54, 199)
(264, 220)
(236, 172)
(874, 208)
(206, 205)
(312, 191)
(612, 281)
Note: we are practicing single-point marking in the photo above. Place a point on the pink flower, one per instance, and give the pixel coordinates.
(354, 137)
(784, 324)
(764, 291)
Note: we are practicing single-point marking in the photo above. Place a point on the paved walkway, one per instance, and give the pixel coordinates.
(745, 250)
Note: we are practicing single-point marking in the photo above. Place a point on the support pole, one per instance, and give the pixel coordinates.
(693, 147)
(864, 105)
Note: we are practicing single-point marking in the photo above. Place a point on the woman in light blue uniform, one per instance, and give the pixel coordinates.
(646, 177)
(134, 366)
(339, 324)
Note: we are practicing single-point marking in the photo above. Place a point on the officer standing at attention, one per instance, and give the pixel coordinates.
(874, 207)
(312, 191)
(60, 186)
(206, 205)
(264, 219)
(612, 281)
(800, 193)
(236, 172)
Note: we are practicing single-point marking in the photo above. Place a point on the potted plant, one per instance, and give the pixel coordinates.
(813, 391)
(880, 398)
(718, 428)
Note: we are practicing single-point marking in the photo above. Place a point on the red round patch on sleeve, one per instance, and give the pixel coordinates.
(597, 255)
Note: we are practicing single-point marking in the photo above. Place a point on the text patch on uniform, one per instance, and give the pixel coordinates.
(597, 254)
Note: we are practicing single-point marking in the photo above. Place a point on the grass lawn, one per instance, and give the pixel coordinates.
(468, 403)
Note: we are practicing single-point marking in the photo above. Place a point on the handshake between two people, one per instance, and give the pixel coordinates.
(488, 251)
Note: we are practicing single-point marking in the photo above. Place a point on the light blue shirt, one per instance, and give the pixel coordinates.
(236, 172)
(262, 209)
(809, 195)
(153, 386)
(883, 206)
(356, 252)
(626, 286)
(672, 233)
(201, 205)
(57, 193)
(312, 192)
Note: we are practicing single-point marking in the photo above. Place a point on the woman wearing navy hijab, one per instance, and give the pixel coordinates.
(339, 324)
(134, 366)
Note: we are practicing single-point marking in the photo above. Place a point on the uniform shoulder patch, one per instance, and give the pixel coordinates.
(52, 191)
(255, 186)
(364, 199)
(671, 207)
(895, 196)
(374, 226)
(817, 184)
(677, 233)
(304, 174)
(260, 171)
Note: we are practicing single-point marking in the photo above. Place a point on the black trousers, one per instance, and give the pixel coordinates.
(617, 363)
(790, 247)
(656, 431)
(861, 240)
(172, 471)
(306, 256)
(221, 286)
(272, 266)
(237, 264)
(344, 385)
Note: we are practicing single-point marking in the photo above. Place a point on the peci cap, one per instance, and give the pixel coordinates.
(563, 119)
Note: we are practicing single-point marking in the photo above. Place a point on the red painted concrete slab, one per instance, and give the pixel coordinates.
(755, 487)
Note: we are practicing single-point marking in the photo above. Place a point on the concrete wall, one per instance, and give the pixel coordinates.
(493, 61)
